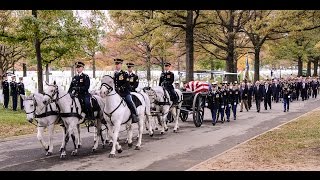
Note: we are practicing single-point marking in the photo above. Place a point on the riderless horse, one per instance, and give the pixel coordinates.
(161, 105)
(70, 112)
(46, 116)
(117, 113)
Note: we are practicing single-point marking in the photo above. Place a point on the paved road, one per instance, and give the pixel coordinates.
(172, 151)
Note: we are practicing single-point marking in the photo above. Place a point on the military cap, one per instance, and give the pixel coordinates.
(130, 65)
(79, 64)
(235, 82)
(118, 61)
(167, 64)
(215, 83)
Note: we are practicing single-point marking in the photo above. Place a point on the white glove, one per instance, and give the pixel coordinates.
(289, 97)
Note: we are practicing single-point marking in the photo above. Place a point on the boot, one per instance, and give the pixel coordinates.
(135, 118)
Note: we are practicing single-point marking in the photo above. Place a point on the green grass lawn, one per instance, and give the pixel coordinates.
(14, 123)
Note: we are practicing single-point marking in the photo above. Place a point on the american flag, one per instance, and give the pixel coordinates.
(197, 86)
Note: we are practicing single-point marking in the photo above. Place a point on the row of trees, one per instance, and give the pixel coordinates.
(188, 38)
(48, 38)
(213, 36)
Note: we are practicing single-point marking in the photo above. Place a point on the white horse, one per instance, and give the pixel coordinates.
(162, 105)
(116, 113)
(46, 117)
(70, 112)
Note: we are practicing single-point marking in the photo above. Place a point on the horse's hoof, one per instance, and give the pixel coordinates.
(103, 146)
(73, 153)
(151, 135)
(119, 150)
(156, 128)
(62, 156)
(48, 153)
(175, 131)
(167, 129)
(130, 145)
(112, 155)
(137, 148)
(93, 150)
(161, 133)
(147, 129)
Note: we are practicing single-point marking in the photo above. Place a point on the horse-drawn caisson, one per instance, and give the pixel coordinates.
(112, 105)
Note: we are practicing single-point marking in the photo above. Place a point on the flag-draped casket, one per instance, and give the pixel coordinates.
(198, 86)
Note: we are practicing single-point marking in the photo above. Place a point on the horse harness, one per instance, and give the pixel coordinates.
(45, 114)
(110, 89)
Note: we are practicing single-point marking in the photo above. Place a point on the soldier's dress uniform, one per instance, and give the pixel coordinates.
(6, 90)
(80, 85)
(235, 101)
(166, 80)
(286, 98)
(21, 91)
(214, 98)
(14, 94)
(229, 101)
(133, 79)
(122, 87)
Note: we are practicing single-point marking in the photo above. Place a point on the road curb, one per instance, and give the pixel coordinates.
(234, 147)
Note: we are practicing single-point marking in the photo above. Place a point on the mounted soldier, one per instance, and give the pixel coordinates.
(166, 81)
(80, 88)
(132, 78)
(122, 87)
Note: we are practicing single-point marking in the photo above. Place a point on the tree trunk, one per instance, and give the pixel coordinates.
(24, 67)
(13, 70)
(38, 55)
(256, 64)
(315, 66)
(162, 63)
(47, 72)
(309, 68)
(72, 71)
(230, 66)
(189, 46)
(148, 65)
(93, 66)
(1, 77)
(212, 68)
(300, 64)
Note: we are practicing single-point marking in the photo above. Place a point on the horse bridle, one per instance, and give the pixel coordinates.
(109, 88)
(55, 92)
(34, 103)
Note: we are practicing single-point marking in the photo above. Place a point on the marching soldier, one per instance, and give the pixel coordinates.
(235, 99)
(14, 93)
(222, 100)
(244, 96)
(5, 86)
(166, 80)
(258, 95)
(214, 98)
(267, 95)
(132, 78)
(286, 98)
(21, 91)
(122, 87)
(250, 94)
(80, 85)
(229, 100)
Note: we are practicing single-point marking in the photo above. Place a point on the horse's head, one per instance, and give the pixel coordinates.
(107, 86)
(153, 96)
(50, 92)
(30, 105)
